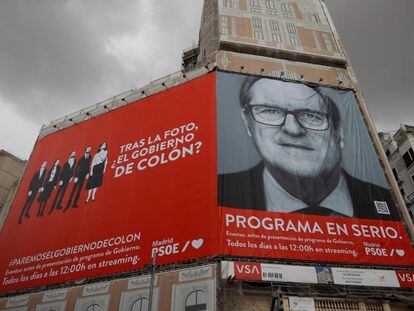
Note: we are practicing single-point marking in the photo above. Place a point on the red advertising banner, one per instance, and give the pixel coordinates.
(405, 278)
(248, 271)
(101, 196)
(314, 238)
(299, 177)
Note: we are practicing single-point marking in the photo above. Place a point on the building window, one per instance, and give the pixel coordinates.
(257, 22)
(328, 42)
(312, 18)
(287, 10)
(291, 28)
(394, 171)
(287, 7)
(274, 25)
(408, 158)
(277, 37)
(141, 304)
(258, 34)
(294, 41)
(402, 191)
(271, 7)
(270, 4)
(255, 6)
(93, 307)
(224, 25)
(412, 178)
(196, 301)
(387, 153)
(315, 18)
(231, 4)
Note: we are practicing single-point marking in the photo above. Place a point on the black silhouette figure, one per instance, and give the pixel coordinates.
(34, 187)
(49, 185)
(97, 171)
(64, 179)
(81, 173)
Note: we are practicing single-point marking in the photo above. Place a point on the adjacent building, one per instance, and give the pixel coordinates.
(11, 170)
(399, 148)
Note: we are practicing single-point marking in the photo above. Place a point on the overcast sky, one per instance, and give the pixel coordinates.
(58, 56)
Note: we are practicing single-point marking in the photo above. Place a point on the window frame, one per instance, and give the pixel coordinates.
(408, 158)
(274, 25)
(258, 34)
(291, 29)
(294, 41)
(257, 22)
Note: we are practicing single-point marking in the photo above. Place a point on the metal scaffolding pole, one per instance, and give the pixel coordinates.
(151, 292)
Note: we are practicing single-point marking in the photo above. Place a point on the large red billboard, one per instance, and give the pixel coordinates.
(224, 164)
(99, 197)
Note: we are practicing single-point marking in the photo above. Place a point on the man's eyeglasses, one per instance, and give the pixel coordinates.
(275, 116)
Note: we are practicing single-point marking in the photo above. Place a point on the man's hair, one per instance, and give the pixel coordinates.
(333, 111)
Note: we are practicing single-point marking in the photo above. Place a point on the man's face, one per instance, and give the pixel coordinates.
(72, 155)
(43, 165)
(290, 147)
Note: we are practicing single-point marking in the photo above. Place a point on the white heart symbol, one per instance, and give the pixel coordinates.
(197, 243)
(400, 252)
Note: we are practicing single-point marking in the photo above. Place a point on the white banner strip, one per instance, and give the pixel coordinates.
(308, 274)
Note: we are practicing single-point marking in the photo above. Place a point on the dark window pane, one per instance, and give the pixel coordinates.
(408, 159)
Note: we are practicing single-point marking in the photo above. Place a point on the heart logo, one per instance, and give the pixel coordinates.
(197, 243)
(400, 252)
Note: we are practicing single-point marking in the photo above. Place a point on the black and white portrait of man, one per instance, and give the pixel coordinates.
(297, 133)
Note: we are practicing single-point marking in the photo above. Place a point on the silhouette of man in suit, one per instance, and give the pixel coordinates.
(81, 173)
(49, 185)
(34, 187)
(65, 177)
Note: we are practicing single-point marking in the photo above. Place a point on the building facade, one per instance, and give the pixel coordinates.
(292, 41)
(289, 26)
(399, 148)
(11, 170)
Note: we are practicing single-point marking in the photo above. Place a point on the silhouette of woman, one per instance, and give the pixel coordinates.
(97, 171)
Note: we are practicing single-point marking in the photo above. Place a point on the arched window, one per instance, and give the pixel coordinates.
(141, 304)
(234, 4)
(196, 301)
(93, 307)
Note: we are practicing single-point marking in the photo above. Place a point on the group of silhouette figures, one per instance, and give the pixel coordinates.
(45, 181)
